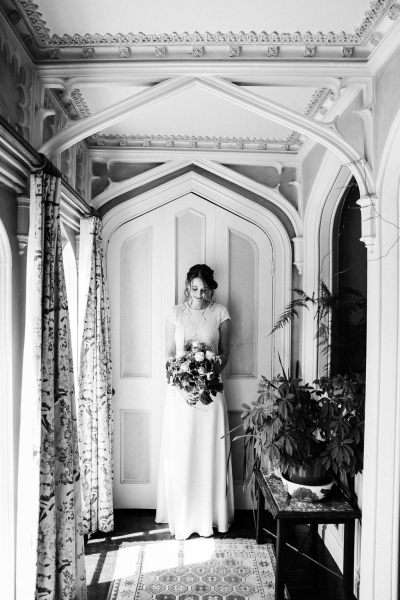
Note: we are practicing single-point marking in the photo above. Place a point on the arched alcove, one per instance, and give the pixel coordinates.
(235, 203)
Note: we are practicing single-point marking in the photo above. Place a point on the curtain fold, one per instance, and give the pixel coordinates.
(95, 412)
(49, 478)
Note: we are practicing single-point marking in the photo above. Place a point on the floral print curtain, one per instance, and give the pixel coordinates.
(56, 494)
(95, 413)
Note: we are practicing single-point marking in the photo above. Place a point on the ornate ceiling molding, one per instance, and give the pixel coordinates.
(119, 188)
(291, 143)
(269, 43)
(323, 133)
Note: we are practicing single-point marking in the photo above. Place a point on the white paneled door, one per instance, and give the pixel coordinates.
(147, 261)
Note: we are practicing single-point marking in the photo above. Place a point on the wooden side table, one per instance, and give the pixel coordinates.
(335, 509)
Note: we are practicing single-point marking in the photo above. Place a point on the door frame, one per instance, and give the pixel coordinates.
(231, 201)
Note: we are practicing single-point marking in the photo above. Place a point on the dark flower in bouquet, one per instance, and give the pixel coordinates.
(195, 372)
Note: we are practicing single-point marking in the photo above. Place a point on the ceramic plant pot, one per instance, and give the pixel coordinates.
(309, 483)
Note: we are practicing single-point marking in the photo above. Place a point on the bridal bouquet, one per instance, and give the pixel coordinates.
(194, 372)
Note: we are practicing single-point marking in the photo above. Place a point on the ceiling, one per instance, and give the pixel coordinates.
(95, 16)
(236, 28)
(91, 35)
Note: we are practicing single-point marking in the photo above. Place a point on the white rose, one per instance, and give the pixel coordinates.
(195, 345)
(201, 370)
(210, 355)
(199, 356)
(185, 366)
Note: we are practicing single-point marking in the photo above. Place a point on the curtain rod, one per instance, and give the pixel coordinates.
(46, 166)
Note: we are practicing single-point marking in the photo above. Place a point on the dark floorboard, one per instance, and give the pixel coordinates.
(305, 580)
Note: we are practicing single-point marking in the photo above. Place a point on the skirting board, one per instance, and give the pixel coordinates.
(333, 540)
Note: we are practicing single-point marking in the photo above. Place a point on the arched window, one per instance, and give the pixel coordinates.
(349, 285)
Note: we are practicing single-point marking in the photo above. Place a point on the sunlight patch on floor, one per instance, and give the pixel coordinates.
(128, 561)
(96, 541)
(90, 563)
(107, 572)
(155, 531)
(162, 555)
(127, 536)
(198, 550)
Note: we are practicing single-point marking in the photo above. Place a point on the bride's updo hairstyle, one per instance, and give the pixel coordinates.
(203, 272)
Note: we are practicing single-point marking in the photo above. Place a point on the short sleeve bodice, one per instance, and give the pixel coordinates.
(198, 325)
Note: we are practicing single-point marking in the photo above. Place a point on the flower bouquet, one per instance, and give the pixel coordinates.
(194, 372)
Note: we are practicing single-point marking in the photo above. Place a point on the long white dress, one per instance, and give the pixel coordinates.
(195, 489)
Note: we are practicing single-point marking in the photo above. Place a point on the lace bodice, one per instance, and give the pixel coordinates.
(198, 325)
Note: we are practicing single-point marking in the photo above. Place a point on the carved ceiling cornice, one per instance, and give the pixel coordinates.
(92, 46)
(291, 143)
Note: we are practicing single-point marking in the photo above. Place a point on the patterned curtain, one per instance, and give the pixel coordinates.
(95, 417)
(60, 566)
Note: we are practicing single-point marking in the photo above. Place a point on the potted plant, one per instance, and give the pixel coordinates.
(312, 434)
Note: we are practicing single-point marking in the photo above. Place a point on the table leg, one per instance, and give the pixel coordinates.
(260, 514)
(348, 560)
(281, 550)
(314, 532)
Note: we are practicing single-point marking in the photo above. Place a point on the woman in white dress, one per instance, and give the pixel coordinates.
(195, 490)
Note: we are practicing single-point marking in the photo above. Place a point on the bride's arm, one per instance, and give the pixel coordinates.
(224, 341)
(169, 339)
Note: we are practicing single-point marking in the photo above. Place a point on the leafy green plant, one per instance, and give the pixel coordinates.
(293, 424)
(340, 318)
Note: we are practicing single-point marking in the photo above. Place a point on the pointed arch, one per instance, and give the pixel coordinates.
(193, 182)
(326, 134)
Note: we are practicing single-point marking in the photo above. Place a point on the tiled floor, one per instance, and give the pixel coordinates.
(305, 580)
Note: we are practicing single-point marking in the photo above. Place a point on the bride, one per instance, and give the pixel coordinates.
(195, 490)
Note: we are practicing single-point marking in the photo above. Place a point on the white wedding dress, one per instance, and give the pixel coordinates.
(195, 489)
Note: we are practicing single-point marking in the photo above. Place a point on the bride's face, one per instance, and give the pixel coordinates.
(198, 291)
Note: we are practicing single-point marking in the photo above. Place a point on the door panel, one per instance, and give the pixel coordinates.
(148, 259)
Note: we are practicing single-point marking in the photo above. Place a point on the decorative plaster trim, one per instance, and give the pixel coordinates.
(317, 100)
(271, 194)
(80, 103)
(368, 221)
(196, 39)
(382, 53)
(324, 133)
(291, 142)
(23, 222)
(298, 261)
(22, 66)
(228, 157)
(22, 243)
(70, 75)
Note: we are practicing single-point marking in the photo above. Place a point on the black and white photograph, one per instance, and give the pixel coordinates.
(200, 299)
